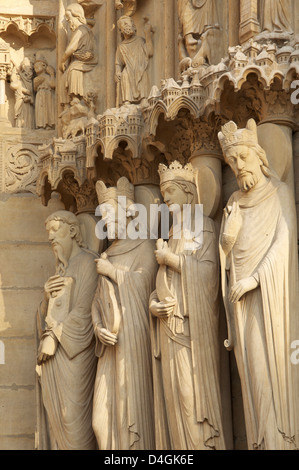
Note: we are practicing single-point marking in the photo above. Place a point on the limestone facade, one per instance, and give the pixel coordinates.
(99, 90)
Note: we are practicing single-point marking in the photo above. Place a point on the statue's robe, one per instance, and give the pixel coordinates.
(261, 322)
(123, 415)
(44, 102)
(83, 60)
(66, 381)
(276, 15)
(186, 362)
(197, 15)
(132, 59)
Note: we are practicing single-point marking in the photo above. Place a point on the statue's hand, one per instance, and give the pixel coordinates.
(53, 284)
(104, 267)
(232, 227)
(242, 287)
(162, 309)
(162, 251)
(63, 67)
(106, 337)
(47, 349)
(233, 220)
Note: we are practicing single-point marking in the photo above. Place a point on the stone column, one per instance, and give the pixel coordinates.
(169, 40)
(4, 67)
(276, 138)
(111, 45)
(296, 171)
(249, 24)
(61, 46)
(209, 164)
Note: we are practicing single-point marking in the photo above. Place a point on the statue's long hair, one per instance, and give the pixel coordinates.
(70, 219)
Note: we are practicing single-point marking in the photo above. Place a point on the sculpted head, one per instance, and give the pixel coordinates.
(40, 65)
(64, 234)
(243, 154)
(114, 206)
(75, 16)
(178, 185)
(126, 26)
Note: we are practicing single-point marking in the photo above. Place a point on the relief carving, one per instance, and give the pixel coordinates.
(79, 57)
(21, 82)
(21, 169)
(198, 22)
(131, 62)
(44, 85)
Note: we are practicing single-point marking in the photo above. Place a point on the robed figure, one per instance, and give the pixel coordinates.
(276, 15)
(123, 417)
(258, 248)
(184, 324)
(79, 56)
(131, 63)
(66, 360)
(196, 17)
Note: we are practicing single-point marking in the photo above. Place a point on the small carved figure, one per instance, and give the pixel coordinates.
(44, 85)
(74, 118)
(184, 320)
(131, 62)
(80, 53)
(258, 250)
(21, 82)
(198, 21)
(66, 360)
(123, 416)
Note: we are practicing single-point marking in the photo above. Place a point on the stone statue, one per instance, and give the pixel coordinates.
(197, 18)
(123, 416)
(131, 62)
(79, 54)
(258, 250)
(44, 86)
(128, 5)
(276, 16)
(184, 324)
(66, 359)
(74, 118)
(21, 82)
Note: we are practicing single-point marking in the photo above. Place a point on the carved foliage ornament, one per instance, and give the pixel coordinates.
(21, 169)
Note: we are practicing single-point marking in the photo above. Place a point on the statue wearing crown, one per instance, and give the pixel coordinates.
(123, 417)
(258, 252)
(184, 322)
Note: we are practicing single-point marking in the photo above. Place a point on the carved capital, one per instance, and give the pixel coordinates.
(85, 194)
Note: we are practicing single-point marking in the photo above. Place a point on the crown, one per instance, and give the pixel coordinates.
(230, 135)
(176, 172)
(123, 188)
